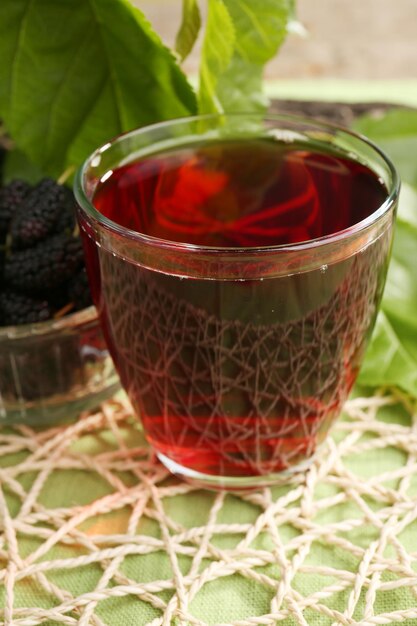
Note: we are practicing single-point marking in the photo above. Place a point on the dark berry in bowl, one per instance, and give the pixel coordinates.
(11, 199)
(53, 358)
(17, 308)
(45, 265)
(46, 209)
(79, 290)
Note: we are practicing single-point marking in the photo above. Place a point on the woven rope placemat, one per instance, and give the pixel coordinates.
(94, 530)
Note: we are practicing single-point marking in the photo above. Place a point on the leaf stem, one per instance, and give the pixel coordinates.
(66, 174)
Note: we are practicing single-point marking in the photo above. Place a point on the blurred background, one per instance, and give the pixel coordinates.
(347, 39)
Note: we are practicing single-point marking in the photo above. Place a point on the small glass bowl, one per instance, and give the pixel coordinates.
(51, 371)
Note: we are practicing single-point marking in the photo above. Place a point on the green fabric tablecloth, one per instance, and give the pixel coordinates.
(94, 531)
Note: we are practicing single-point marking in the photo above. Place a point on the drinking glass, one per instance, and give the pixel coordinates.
(52, 371)
(237, 359)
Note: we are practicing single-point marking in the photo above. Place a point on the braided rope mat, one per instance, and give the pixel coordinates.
(94, 531)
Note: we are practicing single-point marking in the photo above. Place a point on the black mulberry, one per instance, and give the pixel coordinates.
(45, 266)
(42, 271)
(11, 199)
(66, 218)
(48, 208)
(18, 308)
(79, 291)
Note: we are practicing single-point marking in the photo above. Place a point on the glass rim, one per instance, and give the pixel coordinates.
(88, 207)
(66, 322)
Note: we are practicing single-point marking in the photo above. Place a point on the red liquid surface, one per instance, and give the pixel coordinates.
(239, 377)
(256, 193)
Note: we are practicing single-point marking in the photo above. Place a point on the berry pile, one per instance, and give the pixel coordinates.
(42, 273)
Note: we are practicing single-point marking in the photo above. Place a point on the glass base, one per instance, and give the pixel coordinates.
(233, 483)
(60, 408)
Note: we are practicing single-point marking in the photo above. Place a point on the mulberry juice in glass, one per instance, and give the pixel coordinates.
(237, 264)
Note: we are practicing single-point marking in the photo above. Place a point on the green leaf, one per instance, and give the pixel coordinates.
(400, 295)
(260, 27)
(216, 55)
(293, 10)
(240, 87)
(189, 29)
(399, 308)
(388, 362)
(17, 165)
(407, 210)
(241, 36)
(395, 123)
(396, 133)
(75, 73)
(391, 358)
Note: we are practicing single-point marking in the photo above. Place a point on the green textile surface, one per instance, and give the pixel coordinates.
(337, 538)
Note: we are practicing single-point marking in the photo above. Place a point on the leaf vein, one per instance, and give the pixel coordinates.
(13, 72)
(113, 73)
(55, 98)
(257, 25)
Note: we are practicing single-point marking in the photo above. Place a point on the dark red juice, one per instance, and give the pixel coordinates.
(239, 376)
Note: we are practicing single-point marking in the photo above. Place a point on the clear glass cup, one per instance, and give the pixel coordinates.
(51, 371)
(237, 359)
